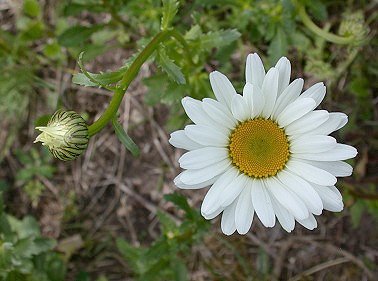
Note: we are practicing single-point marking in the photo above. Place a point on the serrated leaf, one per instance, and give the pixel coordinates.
(169, 11)
(90, 79)
(105, 78)
(166, 64)
(76, 35)
(216, 39)
(124, 138)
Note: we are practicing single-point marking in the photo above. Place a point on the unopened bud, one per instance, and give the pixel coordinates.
(353, 24)
(66, 135)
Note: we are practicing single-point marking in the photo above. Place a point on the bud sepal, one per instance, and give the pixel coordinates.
(66, 135)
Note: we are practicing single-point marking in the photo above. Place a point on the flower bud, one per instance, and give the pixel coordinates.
(353, 24)
(66, 135)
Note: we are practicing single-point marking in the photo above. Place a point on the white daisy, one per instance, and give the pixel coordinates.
(266, 152)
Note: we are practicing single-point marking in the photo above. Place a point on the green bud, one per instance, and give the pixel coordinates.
(66, 135)
(353, 24)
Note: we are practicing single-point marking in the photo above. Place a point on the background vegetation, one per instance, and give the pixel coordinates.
(111, 216)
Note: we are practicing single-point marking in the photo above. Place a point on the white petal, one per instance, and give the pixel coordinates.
(312, 144)
(196, 113)
(284, 68)
(286, 219)
(244, 211)
(206, 135)
(311, 173)
(254, 70)
(222, 88)
(212, 200)
(200, 158)
(234, 190)
(290, 94)
(309, 223)
(336, 168)
(343, 119)
(191, 177)
(228, 219)
(332, 200)
(239, 108)
(339, 152)
(248, 95)
(214, 214)
(177, 181)
(294, 111)
(307, 123)
(219, 113)
(269, 89)
(180, 140)
(194, 110)
(316, 92)
(262, 203)
(286, 198)
(335, 121)
(303, 189)
(258, 101)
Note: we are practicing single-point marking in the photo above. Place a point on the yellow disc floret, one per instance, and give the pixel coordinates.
(259, 148)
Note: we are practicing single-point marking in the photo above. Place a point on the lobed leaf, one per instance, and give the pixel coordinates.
(216, 39)
(166, 64)
(169, 11)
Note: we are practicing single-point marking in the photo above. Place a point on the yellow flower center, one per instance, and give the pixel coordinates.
(259, 148)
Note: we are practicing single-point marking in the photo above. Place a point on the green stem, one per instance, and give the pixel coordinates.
(318, 31)
(129, 76)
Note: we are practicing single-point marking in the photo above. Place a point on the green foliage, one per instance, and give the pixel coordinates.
(165, 258)
(77, 35)
(32, 8)
(169, 11)
(35, 165)
(125, 138)
(24, 254)
(166, 64)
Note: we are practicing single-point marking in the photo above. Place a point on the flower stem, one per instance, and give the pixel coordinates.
(129, 76)
(320, 32)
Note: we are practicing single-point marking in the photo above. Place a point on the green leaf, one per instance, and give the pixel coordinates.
(32, 8)
(73, 8)
(29, 247)
(167, 224)
(169, 12)
(105, 78)
(82, 276)
(90, 79)
(179, 270)
(129, 252)
(124, 138)
(102, 79)
(76, 35)
(179, 200)
(217, 39)
(166, 64)
(278, 46)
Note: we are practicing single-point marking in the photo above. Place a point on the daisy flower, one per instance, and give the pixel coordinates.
(267, 151)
